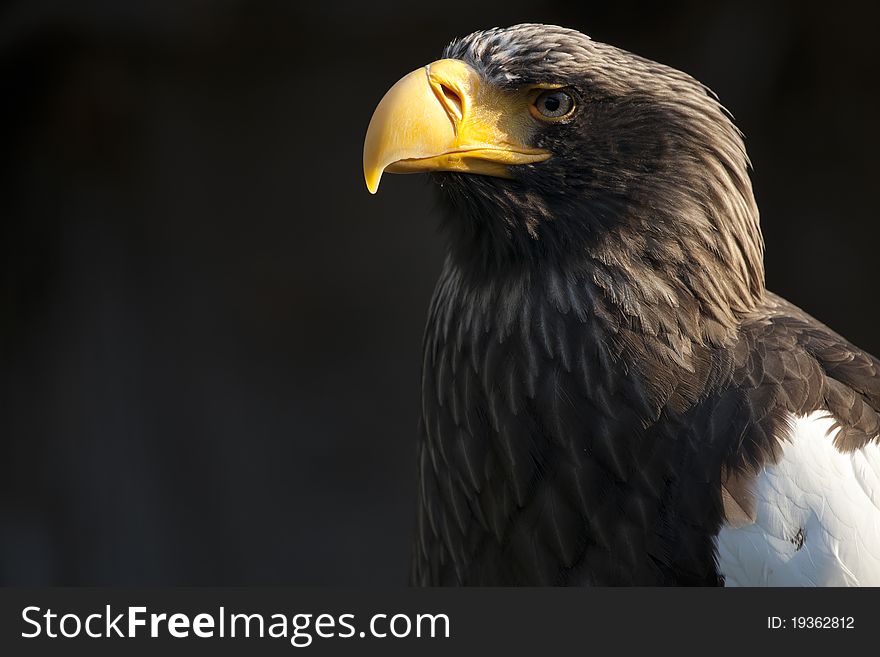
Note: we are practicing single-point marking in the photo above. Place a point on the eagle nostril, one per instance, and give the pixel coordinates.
(453, 100)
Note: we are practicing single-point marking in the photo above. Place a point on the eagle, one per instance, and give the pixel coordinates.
(609, 394)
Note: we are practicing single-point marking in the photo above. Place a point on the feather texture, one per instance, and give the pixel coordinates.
(606, 383)
(817, 515)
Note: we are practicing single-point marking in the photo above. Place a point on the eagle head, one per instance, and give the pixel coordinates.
(549, 147)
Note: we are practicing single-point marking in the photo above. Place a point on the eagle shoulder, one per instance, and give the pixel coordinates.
(802, 495)
(816, 514)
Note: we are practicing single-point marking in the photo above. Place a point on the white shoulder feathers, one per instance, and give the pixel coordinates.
(817, 516)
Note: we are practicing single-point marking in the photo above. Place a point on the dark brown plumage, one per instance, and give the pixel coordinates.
(603, 369)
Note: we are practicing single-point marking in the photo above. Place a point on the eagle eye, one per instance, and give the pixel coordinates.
(553, 104)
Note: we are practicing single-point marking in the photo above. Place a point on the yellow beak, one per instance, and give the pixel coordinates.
(443, 117)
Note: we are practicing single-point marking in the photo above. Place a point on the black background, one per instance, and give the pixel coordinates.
(210, 332)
